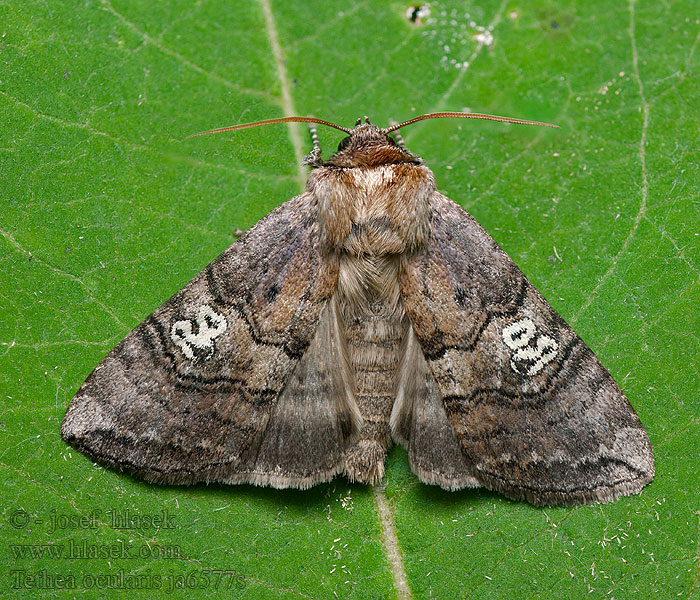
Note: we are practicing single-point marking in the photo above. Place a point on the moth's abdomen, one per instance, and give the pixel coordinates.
(374, 345)
(374, 327)
(374, 341)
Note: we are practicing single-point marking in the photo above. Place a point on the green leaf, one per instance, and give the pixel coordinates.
(107, 210)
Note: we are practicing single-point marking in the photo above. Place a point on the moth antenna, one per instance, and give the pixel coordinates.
(313, 158)
(462, 115)
(314, 137)
(397, 134)
(271, 122)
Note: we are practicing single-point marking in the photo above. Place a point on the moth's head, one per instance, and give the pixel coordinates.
(367, 145)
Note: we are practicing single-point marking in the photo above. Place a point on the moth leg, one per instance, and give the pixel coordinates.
(313, 158)
(397, 134)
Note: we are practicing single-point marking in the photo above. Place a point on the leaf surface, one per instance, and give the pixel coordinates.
(107, 211)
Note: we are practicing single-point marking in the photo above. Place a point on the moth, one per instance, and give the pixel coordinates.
(367, 310)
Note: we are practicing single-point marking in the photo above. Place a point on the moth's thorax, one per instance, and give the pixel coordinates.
(373, 210)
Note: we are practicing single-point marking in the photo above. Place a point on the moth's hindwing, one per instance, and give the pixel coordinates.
(534, 412)
(234, 378)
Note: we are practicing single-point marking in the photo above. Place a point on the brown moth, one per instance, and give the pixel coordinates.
(368, 309)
